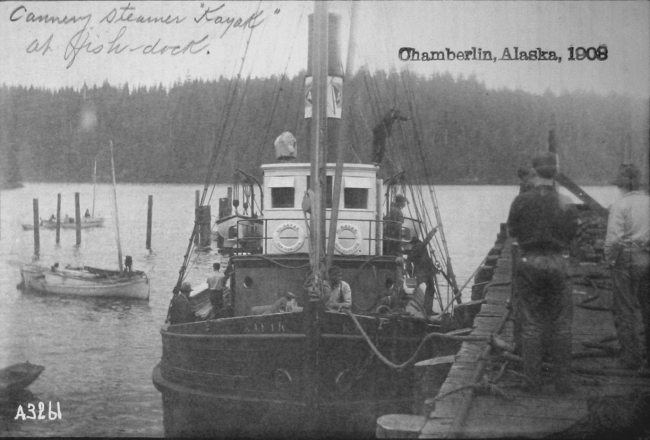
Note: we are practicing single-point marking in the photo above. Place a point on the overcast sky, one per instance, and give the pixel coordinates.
(102, 44)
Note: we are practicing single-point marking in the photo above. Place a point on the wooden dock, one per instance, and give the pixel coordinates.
(483, 394)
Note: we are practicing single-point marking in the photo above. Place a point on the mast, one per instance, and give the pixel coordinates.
(338, 173)
(94, 186)
(317, 229)
(117, 222)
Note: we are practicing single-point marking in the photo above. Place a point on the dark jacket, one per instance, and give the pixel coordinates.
(542, 220)
(180, 311)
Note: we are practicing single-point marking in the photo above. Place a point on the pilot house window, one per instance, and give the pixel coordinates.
(355, 198)
(282, 191)
(355, 193)
(282, 197)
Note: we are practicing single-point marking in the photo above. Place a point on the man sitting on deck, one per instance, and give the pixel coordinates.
(339, 295)
(544, 223)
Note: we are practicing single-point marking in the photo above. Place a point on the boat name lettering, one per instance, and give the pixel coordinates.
(31, 409)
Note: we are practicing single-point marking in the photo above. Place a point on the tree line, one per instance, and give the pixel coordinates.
(459, 131)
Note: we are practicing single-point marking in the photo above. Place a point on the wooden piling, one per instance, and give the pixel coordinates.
(197, 198)
(149, 217)
(37, 241)
(58, 218)
(77, 216)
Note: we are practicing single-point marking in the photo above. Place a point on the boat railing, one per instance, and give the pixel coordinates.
(255, 236)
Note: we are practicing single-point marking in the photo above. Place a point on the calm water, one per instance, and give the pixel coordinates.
(99, 353)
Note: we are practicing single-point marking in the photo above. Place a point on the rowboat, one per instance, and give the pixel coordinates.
(86, 223)
(85, 281)
(18, 376)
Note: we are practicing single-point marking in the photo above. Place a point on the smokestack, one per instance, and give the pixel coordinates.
(334, 84)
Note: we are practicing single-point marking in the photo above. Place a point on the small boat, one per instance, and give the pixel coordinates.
(86, 223)
(19, 376)
(85, 281)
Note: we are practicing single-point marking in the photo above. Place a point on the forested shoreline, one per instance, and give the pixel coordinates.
(465, 132)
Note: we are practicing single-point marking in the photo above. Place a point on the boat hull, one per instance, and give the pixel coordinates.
(18, 377)
(84, 283)
(247, 376)
(85, 224)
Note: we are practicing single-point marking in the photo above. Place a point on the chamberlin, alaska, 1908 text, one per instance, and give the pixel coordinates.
(477, 54)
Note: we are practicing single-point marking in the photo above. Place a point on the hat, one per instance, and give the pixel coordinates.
(289, 295)
(545, 165)
(335, 270)
(400, 199)
(628, 176)
(186, 287)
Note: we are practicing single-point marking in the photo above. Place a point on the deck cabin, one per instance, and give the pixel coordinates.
(282, 228)
(270, 253)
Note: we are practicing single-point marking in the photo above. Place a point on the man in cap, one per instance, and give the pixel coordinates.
(180, 311)
(340, 294)
(627, 251)
(544, 223)
(393, 226)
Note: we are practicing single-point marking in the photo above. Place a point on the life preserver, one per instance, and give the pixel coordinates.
(356, 246)
(277, 240)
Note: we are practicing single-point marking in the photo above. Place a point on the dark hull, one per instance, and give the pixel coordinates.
(244, 376)
(18, 377)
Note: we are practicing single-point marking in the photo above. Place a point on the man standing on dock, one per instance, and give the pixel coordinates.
(544, 223)
(627, 250)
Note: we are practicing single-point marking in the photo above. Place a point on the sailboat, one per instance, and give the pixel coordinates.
(89, 221)
(306, 369)
(90, 281)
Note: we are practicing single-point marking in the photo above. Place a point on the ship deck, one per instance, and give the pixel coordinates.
(482, 399)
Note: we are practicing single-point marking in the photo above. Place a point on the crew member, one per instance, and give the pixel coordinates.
(383, 131)
(627, 251)
(393, 226)
(128, 264)
(216, 283)
(87, 214)
(423, 267)
(544, 223)
(181, 311)
(340, 294)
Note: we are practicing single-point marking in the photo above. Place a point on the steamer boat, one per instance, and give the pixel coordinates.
(305, 369)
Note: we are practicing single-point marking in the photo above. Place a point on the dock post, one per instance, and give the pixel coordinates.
(196, 198)
(37, 241)
(58, 218)
(77, 216)
(149, 217)
(203, 218)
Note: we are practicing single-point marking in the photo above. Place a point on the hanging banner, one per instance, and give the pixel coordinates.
(334, 96)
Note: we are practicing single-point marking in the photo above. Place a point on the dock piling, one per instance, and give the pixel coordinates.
(149, 218)
(37, 241)
(58, 218)
(77, 216)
